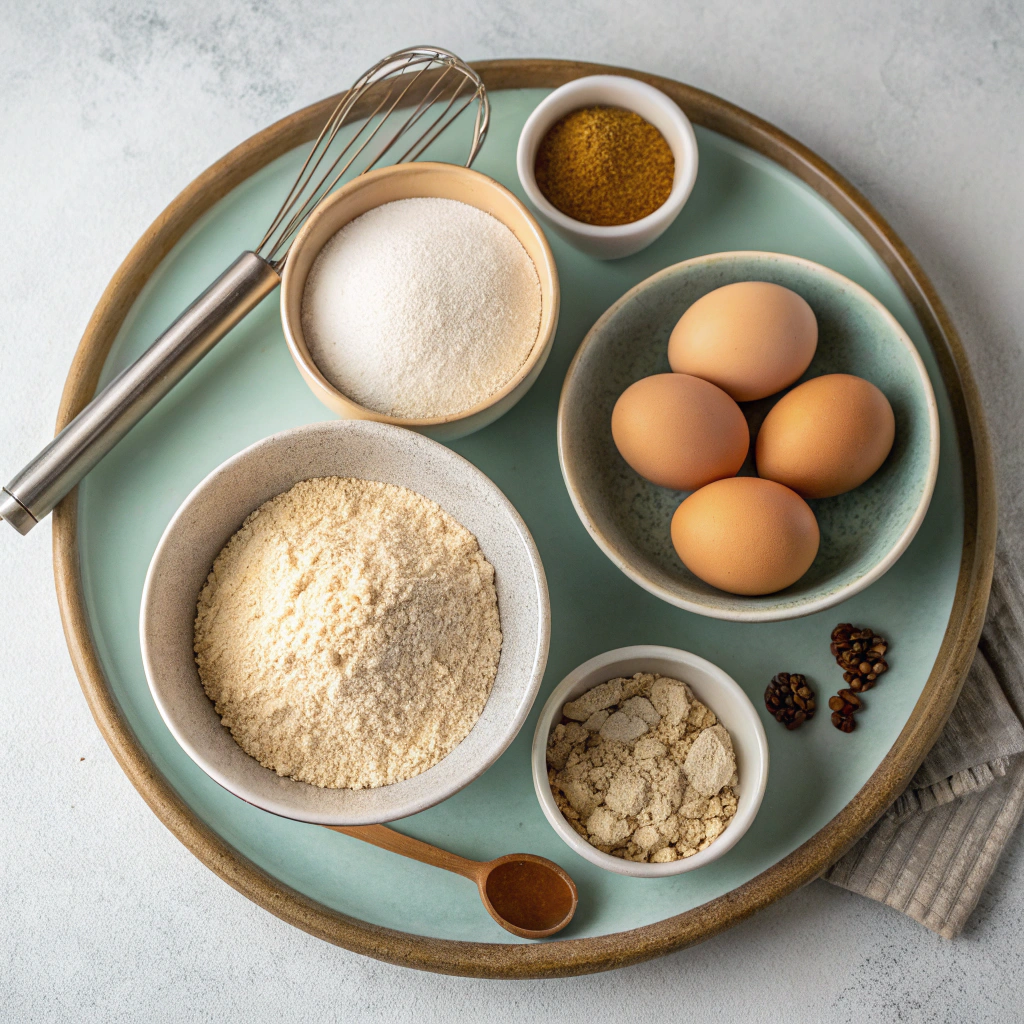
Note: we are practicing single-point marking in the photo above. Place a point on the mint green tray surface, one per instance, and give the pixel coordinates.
(249, 388)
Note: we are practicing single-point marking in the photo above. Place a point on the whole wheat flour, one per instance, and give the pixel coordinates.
(642, 769)
(348, 634)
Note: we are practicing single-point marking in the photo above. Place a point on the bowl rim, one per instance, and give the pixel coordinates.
(545, 723)
(512, 727)
(548, 272)
(812, 605)
(540, 120)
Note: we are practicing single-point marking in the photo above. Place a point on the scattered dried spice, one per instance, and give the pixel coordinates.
(860, 653)
(790, 699)
(604, 166)
(844, 705)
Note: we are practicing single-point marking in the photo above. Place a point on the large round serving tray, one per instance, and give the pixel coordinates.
(757, 189)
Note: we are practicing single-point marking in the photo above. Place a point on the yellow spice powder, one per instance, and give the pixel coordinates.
(604, 166)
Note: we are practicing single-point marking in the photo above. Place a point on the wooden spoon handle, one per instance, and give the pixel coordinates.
(388, 839)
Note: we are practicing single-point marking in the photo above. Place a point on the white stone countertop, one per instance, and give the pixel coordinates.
(107, 110)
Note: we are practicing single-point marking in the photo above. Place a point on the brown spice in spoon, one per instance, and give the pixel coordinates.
(529, 895)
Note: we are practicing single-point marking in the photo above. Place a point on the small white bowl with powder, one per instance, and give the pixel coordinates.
(305, 647)
(423, 295)
(703, 682)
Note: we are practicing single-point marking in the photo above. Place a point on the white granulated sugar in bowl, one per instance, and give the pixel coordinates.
(348, 633)
(421, 308)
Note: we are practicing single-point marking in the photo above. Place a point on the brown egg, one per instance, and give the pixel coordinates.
(751, 338)
(745, 535)
(679, 431)
(826, 436)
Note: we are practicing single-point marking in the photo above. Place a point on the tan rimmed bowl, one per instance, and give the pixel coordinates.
(419, 181)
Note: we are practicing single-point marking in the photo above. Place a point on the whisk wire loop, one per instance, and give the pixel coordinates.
(431, 83)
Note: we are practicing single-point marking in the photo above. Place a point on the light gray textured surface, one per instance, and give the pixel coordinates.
(109, 110)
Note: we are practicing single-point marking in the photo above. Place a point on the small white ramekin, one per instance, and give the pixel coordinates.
(611, 243)
(713, 687)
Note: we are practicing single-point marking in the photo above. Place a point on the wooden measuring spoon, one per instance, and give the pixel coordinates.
(527, 895)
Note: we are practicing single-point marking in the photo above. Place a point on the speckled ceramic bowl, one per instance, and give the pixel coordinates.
(216, 509)
(863, 532)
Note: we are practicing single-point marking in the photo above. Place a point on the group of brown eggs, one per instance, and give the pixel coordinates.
(684, 430)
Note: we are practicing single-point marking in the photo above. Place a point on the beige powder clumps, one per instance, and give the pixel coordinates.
(642, 769)
(348, 634)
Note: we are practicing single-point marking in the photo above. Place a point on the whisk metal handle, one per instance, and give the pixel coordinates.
(34, 492)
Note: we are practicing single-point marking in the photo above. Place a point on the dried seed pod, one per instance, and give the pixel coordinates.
(859, 653)
(847, 702)
(789, 698)
(844, 723)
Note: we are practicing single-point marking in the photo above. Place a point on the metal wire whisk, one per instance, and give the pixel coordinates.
(398, 107)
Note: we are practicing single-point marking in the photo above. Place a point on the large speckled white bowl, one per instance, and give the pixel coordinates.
(216, 509)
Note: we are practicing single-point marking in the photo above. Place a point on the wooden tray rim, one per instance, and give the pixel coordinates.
(557, 958)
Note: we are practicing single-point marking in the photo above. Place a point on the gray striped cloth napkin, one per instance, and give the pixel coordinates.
(932, 852)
